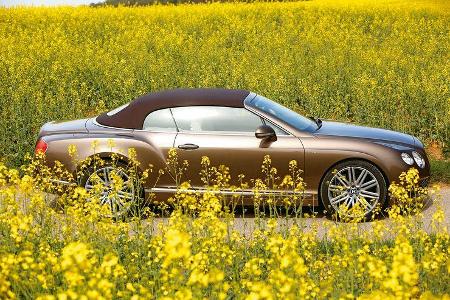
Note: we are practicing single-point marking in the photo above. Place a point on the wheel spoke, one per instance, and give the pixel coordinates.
(349, 202)
(126, 185)
(351, 175)
(122, 174)
(106, 174)
(111, 206)
(125, 195)
(117, 201)
(364, 202)
(336, 188)
(375, 184)
(362, 176)
(370, 195)
(96, 178)
(339, 198)
(103, 200)
(369, 184)
(341, 178)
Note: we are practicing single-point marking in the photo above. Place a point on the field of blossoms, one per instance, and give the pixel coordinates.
(69, 247)
(379, 63)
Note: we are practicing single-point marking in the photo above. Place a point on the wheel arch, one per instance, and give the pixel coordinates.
(121, 158)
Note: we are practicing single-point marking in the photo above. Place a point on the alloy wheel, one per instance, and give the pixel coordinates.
(118, 196)
(354, 186)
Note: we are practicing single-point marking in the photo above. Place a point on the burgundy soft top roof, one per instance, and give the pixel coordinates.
(134, 114)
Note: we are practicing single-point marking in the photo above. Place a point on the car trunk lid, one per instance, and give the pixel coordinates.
(59, 127)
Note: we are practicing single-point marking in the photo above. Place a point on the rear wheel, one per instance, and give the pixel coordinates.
(353, 190)
(114, 187)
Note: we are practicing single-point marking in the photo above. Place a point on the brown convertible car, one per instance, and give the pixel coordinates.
(343, 164)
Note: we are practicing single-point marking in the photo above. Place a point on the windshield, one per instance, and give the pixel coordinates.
(282, 113)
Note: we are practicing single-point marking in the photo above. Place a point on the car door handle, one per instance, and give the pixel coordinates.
(188, 146)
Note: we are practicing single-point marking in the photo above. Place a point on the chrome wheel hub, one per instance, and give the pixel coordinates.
(353, 191)
(351, 187)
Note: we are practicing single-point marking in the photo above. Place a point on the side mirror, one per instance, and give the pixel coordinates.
(265, 132)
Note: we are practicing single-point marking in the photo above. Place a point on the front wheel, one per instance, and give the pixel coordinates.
(353, 190)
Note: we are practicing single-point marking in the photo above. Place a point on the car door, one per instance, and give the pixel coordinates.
(158, 132)
(227, 136)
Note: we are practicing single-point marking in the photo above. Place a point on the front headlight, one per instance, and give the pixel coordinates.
(407, 158)
(418, 159)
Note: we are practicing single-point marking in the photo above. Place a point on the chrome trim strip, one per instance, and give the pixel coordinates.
(260, 114)
(174, 190)
(94, 120)
(225, 192)
(219, 133)
(62, 182)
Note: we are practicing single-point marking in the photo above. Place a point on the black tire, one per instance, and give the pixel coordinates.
(349, 193)
(135, 198)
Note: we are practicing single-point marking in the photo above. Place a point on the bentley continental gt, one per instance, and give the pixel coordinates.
(342, 163)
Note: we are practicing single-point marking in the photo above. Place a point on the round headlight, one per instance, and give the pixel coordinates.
(407, 158)
(418, 159)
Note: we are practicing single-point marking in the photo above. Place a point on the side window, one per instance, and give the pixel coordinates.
(215, 118)
(160, 120)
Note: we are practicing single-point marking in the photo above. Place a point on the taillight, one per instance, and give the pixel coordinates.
(41, 147)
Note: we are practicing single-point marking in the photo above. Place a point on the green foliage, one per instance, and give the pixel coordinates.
(377, 64)
(440, 171)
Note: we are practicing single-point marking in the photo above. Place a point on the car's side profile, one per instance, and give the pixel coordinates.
(343, 164)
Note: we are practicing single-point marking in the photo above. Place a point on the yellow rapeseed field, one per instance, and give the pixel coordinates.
(381, 63)
(68, 248)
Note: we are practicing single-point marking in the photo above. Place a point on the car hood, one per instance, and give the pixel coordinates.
(378, 135)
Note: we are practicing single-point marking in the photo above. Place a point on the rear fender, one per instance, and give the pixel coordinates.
(104, 146)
